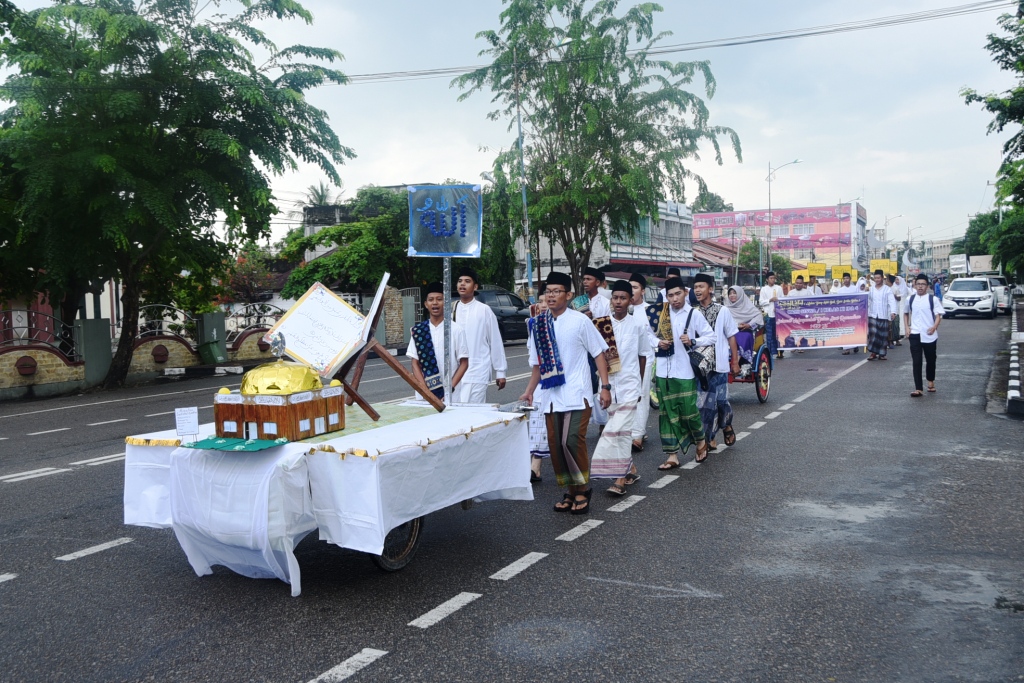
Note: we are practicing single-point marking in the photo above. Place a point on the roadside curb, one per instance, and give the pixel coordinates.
(1014, 402)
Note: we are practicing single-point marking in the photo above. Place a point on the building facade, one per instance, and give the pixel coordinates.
(935, 257)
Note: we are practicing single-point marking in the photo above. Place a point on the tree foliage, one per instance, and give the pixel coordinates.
(136, 125)
(710, 202)
(971, 243)
(611, 129)
(750, 259)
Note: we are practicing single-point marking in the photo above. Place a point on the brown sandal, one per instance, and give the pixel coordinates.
(730, 435)
(697, 457)
(916, 393)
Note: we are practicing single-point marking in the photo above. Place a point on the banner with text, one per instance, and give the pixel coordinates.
(822, 321)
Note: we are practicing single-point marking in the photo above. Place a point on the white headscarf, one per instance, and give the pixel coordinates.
(862, 284)
(743, 311)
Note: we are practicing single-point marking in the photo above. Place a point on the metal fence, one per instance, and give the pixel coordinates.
(32, 328)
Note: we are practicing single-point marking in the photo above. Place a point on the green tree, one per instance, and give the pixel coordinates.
(972, 243)
(751, 260)
(137, 125)
(611, 128)
(249, 277)
(501, 215)
(710, 202)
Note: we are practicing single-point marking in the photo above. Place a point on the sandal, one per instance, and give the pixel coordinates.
(637, 447)
(617, 490)
(730, 435)
(668, 465)
(632, 478)
(931, 388)
(697, 457)
(584, 504)
(916, 393)
(872, 357)
(565, 503)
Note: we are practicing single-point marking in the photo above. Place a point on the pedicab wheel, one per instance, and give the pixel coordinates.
(763, 379)
(400, 546)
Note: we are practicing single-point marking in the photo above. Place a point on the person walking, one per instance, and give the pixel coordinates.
(561, 342)
(713, 403)
(847, 287)
(679, 422)
(771, 293)
(922, 313)
(648, 344)
(536, 424)
(881, 311)
(613, 456)
(899, 292)
(427, 350)
(486, 349)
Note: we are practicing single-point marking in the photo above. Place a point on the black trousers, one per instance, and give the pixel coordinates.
(917, 350)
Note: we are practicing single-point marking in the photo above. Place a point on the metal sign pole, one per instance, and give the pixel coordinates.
(447, 284)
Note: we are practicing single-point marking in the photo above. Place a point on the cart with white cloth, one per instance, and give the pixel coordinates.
(366, 488)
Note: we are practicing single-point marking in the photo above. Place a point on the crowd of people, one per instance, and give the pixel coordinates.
(594, 357)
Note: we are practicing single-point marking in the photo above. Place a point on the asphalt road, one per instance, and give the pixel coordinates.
(853, 534)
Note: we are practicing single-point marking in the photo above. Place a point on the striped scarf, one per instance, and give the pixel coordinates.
(428, 359)
(660, 321)
(542, 327)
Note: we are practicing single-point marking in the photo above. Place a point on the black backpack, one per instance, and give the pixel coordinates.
(931, 304)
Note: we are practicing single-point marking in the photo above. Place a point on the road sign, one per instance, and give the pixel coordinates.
(957, 264)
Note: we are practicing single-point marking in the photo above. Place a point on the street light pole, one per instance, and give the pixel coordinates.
(768, 236)
(522, 171)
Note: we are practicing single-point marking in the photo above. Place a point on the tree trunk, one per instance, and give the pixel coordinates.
(122, 361)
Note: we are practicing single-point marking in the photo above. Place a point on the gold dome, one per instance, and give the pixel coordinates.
(282, 377)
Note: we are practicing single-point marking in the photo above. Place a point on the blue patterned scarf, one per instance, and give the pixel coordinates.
(428, 360)
(542, 327)
(659, 320)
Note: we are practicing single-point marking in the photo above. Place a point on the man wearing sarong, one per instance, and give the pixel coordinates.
(613, 456)
(560, 343)
(770, 293)
(899, 292)
(486, 349)
(638, 283)
(427, 349)
(881, 310)
(536, 425)
(847, 287)
(679, 422)
(715, 410)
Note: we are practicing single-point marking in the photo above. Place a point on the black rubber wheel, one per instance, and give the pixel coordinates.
(763, 380)
(400, 546)
(993, 314)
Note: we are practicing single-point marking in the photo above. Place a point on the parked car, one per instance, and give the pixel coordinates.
(1001, 292)
(511, 311)
(970, 296)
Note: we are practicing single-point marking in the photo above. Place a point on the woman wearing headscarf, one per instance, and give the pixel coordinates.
(748, 318)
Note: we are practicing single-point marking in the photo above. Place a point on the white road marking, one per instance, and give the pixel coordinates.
(35, 476)
(22, 474)
(663, 482)
(690, 465)
(577, 531)
(350, 666)
(687, 592)
(821, 386)
(108, 422)
(772, 416)
(757, 425)
(3, 438)
(444, 609)
(787, 406)
(100, 461)
(518, 566)
(93, 550)
(626, 504)
(169, 412)
(49, 431)
(742, 435)
(115, 400)
(7, 577)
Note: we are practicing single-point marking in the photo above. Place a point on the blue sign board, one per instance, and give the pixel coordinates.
(445, 220)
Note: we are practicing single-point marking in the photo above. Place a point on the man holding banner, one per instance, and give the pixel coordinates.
(847, 287)
(770, 293)
(881, 311)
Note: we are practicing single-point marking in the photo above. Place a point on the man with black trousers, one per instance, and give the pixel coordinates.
(922, 313)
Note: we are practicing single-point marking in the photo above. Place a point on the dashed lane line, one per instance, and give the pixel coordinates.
(93, 550)
(445, 609)
(7, 577)
(690, 465)
(350, 666)
(626, 504)
(49, 431)
(787, 406)
(11, 479)
(757, 425)
(103, 460)
(106, 422)
(23, 474)
(663, 482)
(742, 435)
(114, 400)
(520, 565)
(772, 416)
(579, 530)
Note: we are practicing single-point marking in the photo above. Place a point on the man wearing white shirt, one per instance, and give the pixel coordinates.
(662, 294)
(799, 288)
(899, 291)
(715, 410)
(613, 457)
(599, 305)
(649, 343)
(428, 361)
(561, 342)
(922, 313)
(679, 422)
(770, 293)
(881, 310)
(847, 287)
(486, 350)
(813, 288)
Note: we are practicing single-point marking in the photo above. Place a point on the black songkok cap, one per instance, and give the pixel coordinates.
(594, 272)
(434, 288)
(639, 279)
(469, 272)
(622, 286)
(559, 279)
(879, 272)
(674, 282)
(705, 278)
(675, 271)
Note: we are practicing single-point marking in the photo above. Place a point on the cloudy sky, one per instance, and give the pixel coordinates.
(872, 113)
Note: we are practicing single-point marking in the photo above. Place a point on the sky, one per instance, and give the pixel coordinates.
(875, 113)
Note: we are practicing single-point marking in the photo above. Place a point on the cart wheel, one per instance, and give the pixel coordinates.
(763, 380)
(400, 546)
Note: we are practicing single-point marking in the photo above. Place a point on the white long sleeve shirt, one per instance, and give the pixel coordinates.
(486, 350)
(629, 338)
(577, 339)
(649, 343)
(881, 302)
(765, 298)
(677, 366)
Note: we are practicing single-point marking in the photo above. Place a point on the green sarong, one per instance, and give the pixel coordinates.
(679, 420)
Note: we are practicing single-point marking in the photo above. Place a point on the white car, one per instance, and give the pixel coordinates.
(1001, 293)
(970, 296)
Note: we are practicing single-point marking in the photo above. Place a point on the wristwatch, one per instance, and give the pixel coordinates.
(606, 386)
